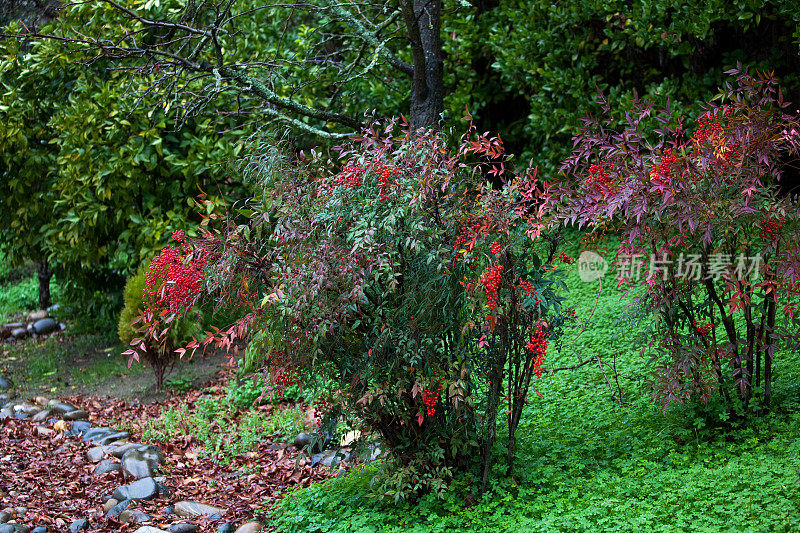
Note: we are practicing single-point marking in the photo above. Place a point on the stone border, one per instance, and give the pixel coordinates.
(138, 462)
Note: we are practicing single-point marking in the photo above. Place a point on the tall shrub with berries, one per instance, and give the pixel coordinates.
(705, 230)
(399, 273)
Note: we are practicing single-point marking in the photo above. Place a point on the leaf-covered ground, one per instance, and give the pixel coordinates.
(50, 476)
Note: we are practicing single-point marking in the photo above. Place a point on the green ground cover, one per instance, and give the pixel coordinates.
(586, 463)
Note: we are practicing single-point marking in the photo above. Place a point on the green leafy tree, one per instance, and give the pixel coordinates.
(92, 184)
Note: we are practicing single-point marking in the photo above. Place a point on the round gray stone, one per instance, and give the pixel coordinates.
(141, 462)
(183, 528)
(105, 466)
(77, 414)
(44, 326)
(189, 509)
(79, 525)
(301, 441)
(144, 489)
(6, 383)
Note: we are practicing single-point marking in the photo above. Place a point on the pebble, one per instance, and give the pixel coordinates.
(227, 527)
(141, 462)
(190, 509)
(109, 504)
(79, 427)
(144, 489)
(134, 517)
(61, 407)
(94, 455)
(105, 466)
(39, 529)
(118, 508)
(77, 414)
(108, 439)
(183, 528)
(79, 525)
(250, 527)
(149, 529)
(41, 416)
(44, 326)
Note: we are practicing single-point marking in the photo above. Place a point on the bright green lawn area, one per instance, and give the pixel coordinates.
(585, 463)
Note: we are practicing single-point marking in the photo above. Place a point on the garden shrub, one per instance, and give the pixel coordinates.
(426, 294)
(702, 220)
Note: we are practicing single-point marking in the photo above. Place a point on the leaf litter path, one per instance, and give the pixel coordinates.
(50, 476)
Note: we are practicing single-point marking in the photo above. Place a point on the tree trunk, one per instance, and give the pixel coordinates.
(44, 274)
(423, 21)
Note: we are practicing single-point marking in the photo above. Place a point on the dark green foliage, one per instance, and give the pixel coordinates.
(531, 68)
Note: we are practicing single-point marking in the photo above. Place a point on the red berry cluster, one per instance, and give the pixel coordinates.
(599, 180)
(430, 398)
(350, 177)
(495, 248)
(384, 173)
(771, 227)
(570, 312)
(527, 287)
(707, 129)
(566, 259)
(282, 373)
(174, 278)
(491, 282)
(538, 347)
(660, 172)
(469, 230)
(704, 329)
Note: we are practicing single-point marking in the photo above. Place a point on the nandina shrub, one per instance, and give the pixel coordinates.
(702, 221)
(159, 316)
(401, 274)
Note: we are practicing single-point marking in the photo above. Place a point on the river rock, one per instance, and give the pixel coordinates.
(141, 461)
(39, 529)
(301, 440)
(250, 527)
(183, 528)
(227, 527)
(117, 508)
(109, 504)
(79, 427)
(118, 450)
(94, 455)
(6, 383)
(79, 525)
(19, 333)
(149, 529)
(105, 466)
(62, 407)
(77, 414)
(44, 326)
(44, 431)
(112, 437)
(14, 528)
(189, 509)
(41, 416)
(37, 315)
(95, 433)
(6, 413)
(144, 489)
(134, 517)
